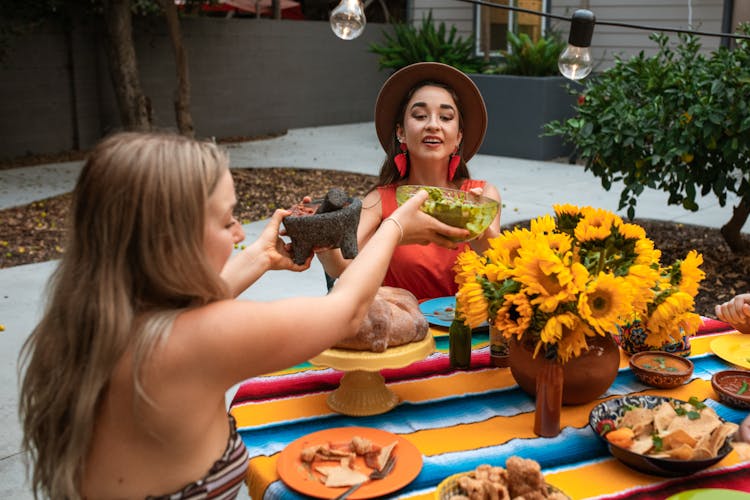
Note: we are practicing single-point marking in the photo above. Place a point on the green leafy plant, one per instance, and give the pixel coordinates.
(529, 58)
(678, 121)
(410, 45)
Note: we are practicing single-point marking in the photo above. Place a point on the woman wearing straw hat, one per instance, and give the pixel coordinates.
(430, 119)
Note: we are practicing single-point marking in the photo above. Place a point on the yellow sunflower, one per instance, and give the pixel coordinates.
(596, 224)
(572, 335)
(661, 324)
(540, 286)
(566, 209)
(606, 301)
(504, 248)
(468, 265)
(545, 276)
(472, 304)
(514, 316)
(631, 231)
(645, 252)
(690, 273)
(642, 280)
(560, 242)
(544, 224)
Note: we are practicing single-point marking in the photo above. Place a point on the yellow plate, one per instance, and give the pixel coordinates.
(733, 348)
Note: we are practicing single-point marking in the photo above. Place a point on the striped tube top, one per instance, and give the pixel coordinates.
(224, 479)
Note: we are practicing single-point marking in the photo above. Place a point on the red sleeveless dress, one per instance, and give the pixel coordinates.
(424, 270)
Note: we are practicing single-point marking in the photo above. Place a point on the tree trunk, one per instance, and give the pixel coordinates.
(731, 230)
(134, 106)
(182, 96)
(70, 69)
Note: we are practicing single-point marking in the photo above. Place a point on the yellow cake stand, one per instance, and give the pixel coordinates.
(362, 390)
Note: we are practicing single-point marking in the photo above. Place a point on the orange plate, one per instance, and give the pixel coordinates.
(295, 475)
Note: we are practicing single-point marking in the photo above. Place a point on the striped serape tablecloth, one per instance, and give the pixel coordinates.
(461, 419)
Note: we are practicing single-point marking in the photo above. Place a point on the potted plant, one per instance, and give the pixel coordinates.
(558, 289)
(523, 92)
(409, 45)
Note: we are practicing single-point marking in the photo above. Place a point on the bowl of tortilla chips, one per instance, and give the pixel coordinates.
(662, 436)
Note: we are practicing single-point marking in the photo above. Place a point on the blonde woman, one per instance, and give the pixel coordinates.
(124, 377)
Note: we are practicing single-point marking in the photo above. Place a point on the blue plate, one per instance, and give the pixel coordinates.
(440, 311)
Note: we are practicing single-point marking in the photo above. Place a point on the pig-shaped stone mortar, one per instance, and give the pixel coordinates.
(333, 225)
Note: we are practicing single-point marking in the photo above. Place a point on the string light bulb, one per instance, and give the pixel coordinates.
(575, 61)
(348, 19)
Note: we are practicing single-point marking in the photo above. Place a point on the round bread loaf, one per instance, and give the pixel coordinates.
(393, 319)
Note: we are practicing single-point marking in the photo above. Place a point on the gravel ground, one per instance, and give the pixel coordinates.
(35, 232)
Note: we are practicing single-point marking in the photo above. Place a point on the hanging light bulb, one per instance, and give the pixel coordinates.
(575, 61)
(348, 19)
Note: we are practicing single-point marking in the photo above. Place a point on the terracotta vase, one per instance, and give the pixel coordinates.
(585, 378)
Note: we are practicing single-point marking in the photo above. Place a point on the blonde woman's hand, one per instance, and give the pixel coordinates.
(277, 251)
(421, 228)
(736, 312)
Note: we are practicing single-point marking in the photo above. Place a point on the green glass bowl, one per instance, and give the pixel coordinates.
(454, 207)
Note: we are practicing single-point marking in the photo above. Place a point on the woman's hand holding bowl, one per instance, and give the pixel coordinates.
(421, 228)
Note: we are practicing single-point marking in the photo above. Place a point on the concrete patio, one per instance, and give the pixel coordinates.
(528, 188)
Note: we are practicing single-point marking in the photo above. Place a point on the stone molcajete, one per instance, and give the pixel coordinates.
(331, 223)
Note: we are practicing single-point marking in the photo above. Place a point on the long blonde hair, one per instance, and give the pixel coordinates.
(134, 257)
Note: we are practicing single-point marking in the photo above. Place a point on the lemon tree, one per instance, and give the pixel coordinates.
(677, 121)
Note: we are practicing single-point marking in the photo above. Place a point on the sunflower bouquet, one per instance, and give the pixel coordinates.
(576, 275)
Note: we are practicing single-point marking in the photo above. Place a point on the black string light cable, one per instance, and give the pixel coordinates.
(575, 62)
(609, 23)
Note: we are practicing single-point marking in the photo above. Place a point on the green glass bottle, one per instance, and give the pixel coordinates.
(459, 344)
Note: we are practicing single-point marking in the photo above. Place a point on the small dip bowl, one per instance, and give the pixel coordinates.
(661, 369)
(732, 387)
(454, 207)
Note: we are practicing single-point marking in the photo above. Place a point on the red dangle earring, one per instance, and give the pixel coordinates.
(400, 160)
(453, 164)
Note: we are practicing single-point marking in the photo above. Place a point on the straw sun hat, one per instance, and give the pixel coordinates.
(393, 91)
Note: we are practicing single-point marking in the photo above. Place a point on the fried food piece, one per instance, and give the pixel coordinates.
(525, 478)
(360, 445)
(376, 459)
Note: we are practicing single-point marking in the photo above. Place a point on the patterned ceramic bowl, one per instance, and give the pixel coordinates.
(613, 409)
(733, 387)
(632, 339)
(661, 369)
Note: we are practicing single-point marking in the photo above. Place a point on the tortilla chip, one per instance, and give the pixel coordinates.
(642, 445)
(702, 453)
(720, 435)
(640, 420)
(676, 439)
(663, 417)
(696, 428)
(683, 452)
(341, 476)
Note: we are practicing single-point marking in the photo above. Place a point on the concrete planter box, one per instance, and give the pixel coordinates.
(518, 107)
